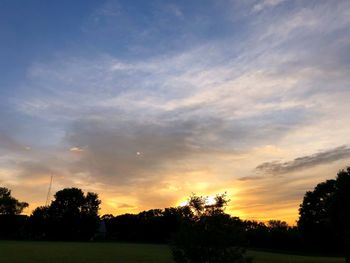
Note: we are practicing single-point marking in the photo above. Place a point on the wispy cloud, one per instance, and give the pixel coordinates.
(300, 163)
(249, 178)
(265, 4)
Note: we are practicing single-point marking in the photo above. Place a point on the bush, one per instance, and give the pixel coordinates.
(210, 235)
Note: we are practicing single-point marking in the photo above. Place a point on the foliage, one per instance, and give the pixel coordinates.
(277, 225)
(10, 205)
(340, 208)
(12, 224)
(274, 234)
(71, 216)
(155, 225)
(39, 222)
(325, 214)
(209, 235)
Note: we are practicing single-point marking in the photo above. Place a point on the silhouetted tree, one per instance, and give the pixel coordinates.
(277, 225)
(71, 216)
(257, 234)
(340, 208)
(107, 217)
(281, 235)
(275, 234)
(209, 235)
(155, 225)
(10, 205)
(12, 224)
(325, 214)
(39, 222)
(173, 218)
(314, 217)
(314, 211)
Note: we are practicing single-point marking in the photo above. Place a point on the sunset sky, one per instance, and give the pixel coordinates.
(146, 102)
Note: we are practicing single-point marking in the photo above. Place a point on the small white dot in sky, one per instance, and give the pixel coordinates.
(138, 153)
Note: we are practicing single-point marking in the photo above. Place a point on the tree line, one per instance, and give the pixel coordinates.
(196, 232)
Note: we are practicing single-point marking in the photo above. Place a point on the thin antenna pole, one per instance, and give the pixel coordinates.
(49, 191)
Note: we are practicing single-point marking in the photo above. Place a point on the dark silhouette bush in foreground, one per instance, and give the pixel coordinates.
(209, 235)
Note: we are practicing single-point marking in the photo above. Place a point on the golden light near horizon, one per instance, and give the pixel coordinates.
(210, 200)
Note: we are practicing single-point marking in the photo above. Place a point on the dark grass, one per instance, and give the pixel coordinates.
(268, 257)
(30, 252)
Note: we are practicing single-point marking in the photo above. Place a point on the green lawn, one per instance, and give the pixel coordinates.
(28, 252)
(52, 252)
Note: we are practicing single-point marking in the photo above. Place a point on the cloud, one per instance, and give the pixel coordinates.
(265, 4)
(76, 149)
(216, 97)
(124, 206)
(10, 127)
(300, 163)
(32, 169)
(129, 151)
(10, 144)
(249, 178)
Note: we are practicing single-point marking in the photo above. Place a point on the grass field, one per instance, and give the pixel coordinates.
(69, 252)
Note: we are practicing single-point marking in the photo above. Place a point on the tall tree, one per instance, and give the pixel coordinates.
(314, 210)
(340, 208)
(71, 215)
(10, 205)
(324, 215)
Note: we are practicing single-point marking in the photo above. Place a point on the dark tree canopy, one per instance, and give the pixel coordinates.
(209, 235)
(325, 211)
(10, 205)
(277, 225)
(340, 208)
(314, 211)
(71, 215)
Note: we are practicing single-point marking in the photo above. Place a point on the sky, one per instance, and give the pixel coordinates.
(147, 102)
